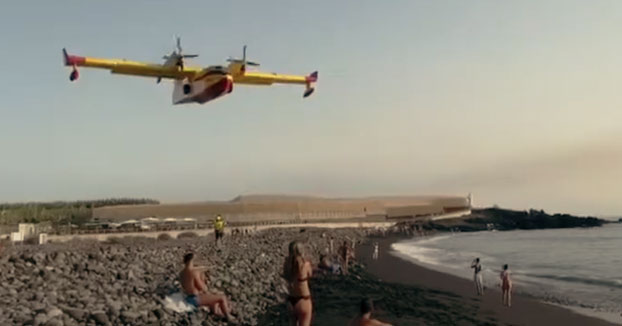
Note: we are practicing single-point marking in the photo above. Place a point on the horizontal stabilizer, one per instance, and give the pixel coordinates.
(312, 78)
(72, 60)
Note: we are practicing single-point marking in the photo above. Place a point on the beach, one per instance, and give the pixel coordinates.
(460, 293)
(124, 281)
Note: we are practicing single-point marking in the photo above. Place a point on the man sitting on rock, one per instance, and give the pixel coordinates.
(193, 285)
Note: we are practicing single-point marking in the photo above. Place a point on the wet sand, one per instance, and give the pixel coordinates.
(456, 297)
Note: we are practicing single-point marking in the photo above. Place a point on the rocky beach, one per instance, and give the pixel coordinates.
(124, 281)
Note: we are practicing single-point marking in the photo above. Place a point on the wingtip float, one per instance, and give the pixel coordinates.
(192, 84)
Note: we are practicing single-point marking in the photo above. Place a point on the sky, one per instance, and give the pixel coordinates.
(517, 102)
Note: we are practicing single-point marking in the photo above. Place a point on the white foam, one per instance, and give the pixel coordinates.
(539, 268)
(421, 254)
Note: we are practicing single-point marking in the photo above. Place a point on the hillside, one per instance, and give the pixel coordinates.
(505, 219)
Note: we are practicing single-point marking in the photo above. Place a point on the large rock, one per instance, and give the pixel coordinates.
(130, 316)
(114, 307)
(40, 319)
(54, 312)
(54, 322)
(100, 317)
(75, 313)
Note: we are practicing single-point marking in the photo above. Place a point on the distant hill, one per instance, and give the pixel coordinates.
(274, 207)
(385, 200)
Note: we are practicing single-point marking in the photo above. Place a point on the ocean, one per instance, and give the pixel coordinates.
(578, 268)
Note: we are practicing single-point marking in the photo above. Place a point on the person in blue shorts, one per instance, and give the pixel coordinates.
(195, 290)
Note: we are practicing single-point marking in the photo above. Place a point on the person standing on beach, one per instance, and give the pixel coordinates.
(506, 287)
(374, 256)
(364, 318)
(345, 253)
(477, 276)
(219, 228)
(297, 271)
(194, 287)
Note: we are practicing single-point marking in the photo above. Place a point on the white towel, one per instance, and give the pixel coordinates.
(177, 302)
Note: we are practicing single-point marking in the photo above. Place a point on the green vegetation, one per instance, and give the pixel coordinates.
(505, 219)
(61, 212)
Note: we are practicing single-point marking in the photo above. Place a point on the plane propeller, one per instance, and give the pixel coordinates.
(177, 56)
(243, 60)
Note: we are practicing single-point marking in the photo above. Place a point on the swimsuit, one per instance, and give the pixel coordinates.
(294, 299)
(192, 300)
(505, 277)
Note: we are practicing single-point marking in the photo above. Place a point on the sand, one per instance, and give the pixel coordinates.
(458, 298)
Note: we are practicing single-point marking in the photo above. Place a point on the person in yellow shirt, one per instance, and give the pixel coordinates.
(219, 228)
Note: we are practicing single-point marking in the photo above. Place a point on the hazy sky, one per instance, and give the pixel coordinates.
(517, 102)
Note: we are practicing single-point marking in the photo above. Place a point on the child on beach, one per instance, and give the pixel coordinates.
(364, 318)
(506, 287)
(477, 276)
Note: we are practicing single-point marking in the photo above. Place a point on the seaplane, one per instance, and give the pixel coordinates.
(192, 84)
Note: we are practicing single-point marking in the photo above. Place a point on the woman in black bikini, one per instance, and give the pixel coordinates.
(297, 272)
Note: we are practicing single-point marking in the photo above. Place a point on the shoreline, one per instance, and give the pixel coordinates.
(524, 310)
(584, 310)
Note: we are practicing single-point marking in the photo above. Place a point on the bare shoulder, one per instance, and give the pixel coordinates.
(196, 273)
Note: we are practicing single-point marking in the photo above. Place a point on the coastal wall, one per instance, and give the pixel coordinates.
(204, 232)
(279, 208)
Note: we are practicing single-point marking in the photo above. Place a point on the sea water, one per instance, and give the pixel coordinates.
(579, 267)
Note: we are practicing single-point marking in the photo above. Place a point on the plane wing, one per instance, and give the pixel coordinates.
(262, 78)
(134, 68)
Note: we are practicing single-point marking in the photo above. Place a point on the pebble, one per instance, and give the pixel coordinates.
(77, 314)
(54, 322)
(100, 317)
(124, 283)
